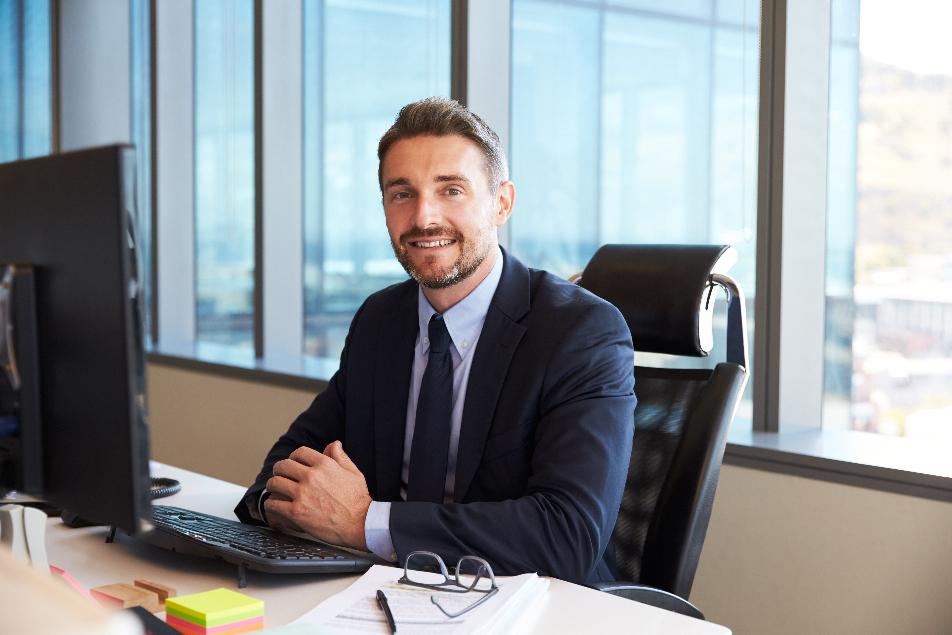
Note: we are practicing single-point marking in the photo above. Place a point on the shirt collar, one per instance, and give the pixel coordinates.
(464, 320)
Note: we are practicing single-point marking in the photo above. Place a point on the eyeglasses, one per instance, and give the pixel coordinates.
(483, 579)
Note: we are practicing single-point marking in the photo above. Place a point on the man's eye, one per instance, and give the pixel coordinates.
(399, 195)
(454, 191)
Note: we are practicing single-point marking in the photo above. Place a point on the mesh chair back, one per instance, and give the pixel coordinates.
(681, 425)
(665, 401)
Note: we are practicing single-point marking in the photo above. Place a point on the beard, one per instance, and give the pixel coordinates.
(472, 253)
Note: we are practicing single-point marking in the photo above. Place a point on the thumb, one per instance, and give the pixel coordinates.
(336, 451)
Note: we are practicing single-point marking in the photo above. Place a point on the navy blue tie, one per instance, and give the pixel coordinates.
(431, 433)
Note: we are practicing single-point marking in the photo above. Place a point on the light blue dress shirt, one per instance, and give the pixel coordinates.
(464, 321)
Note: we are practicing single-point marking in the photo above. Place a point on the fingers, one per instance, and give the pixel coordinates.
(299, 463)
(300, 468)
(307, 456)
(278, 511)
(335, 450)
(290, 469)
(279, 485)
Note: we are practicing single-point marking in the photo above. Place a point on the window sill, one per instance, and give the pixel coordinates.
(297, 372)
(862, 459)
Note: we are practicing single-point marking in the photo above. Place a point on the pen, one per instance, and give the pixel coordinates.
(385, 606)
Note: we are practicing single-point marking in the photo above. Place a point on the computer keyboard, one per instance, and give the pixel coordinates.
(257, 548)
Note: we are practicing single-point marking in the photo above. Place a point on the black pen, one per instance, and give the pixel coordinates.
(385, 606)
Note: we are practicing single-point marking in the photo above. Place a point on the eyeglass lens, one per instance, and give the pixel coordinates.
(473, 573)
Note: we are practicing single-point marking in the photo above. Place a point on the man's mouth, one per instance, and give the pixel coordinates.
(430, 244)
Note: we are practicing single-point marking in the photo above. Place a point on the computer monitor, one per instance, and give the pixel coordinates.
(69, 218)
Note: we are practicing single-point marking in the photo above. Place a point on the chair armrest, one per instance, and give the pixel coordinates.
(650, 596)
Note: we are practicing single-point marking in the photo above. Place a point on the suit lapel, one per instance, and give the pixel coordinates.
(500, 336)
(393, 363)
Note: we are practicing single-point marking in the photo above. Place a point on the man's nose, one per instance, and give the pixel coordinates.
(427, 211)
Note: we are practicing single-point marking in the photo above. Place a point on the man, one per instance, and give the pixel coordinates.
(481, 408)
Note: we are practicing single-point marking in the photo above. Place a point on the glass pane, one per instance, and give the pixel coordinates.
(362, 62)
(142, 139)
(9, 84)
(224, 170)
(889, 222)
(555, 70)
(694, 8)
(738, 12)
(633, 127)
(37, 116)
(25, 80)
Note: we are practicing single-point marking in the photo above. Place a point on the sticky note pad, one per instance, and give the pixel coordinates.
(210, 609)
(187, 628)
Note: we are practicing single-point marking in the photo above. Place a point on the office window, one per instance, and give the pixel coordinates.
(362, 62)
(224, 171)
(888, 353)
(26, 116)
(141, 88)
(634, 122)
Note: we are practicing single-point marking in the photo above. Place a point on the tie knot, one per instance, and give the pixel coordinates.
(439, 336)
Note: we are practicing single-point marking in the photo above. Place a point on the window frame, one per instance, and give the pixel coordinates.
(775, 443)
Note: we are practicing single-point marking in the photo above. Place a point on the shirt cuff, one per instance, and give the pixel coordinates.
(377, 531)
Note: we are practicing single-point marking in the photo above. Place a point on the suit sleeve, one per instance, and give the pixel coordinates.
(321, 423)
(562, 523)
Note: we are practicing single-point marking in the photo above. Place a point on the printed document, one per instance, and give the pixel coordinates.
(355, 610)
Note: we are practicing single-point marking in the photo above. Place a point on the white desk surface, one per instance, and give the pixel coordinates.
(567, 608)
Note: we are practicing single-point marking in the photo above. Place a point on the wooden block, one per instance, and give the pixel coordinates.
(161, 590)
(124, 596)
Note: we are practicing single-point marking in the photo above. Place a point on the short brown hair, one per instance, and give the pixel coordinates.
(440, 116)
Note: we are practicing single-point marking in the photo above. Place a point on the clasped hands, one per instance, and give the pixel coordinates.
(321, 494)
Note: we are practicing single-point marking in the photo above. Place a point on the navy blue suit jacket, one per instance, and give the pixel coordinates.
(546, 431)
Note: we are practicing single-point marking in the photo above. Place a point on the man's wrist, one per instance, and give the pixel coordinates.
(262, 497)
(360, 533)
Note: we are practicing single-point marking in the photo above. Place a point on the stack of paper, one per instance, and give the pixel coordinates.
(218, 612)
(356, 610)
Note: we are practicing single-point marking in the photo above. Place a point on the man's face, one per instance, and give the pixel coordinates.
(441, 213)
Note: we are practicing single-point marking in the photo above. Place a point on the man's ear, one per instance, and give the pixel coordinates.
(505, 199)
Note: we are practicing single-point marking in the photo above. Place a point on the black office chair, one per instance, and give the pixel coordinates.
(683, 415)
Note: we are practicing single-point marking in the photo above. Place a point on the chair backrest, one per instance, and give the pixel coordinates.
(683, 415)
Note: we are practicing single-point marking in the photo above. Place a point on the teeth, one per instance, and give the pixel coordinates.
(433, 243)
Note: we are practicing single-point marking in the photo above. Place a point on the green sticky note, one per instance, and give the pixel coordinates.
(214, 608)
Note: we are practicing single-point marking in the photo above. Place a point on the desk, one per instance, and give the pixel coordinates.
(567, 608)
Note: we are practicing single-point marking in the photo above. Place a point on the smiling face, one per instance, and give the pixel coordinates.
(441, 212)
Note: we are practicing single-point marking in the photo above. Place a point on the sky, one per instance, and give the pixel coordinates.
(910, 34)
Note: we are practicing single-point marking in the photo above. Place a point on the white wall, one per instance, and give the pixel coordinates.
(783, 554)
(793, 555)
(216, 426)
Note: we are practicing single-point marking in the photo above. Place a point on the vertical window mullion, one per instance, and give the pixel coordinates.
(489, 69)
(94, 60)
(174, 178)
(765, 383)
(788, 341)
(803, 221)
(281, 154)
